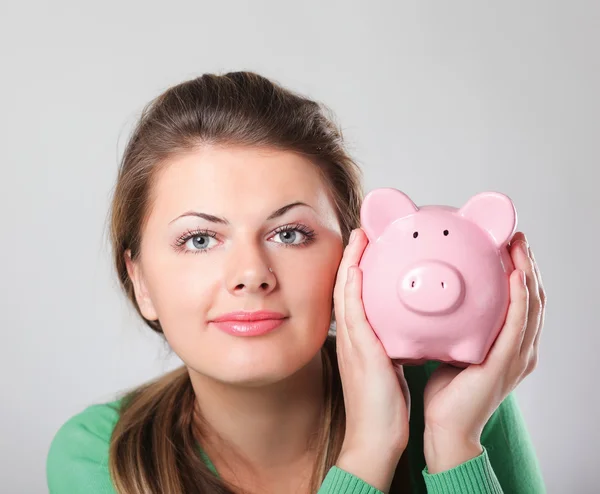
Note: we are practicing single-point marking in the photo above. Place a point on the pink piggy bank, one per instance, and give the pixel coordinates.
(435, 278)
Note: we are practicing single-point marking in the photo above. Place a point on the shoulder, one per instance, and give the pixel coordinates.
(78, 456)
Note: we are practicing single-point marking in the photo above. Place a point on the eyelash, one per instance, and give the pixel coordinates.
(307, 232)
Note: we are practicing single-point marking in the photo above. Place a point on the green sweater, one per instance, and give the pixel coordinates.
(77, 461)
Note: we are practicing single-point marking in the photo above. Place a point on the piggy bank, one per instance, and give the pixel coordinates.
(436, 278)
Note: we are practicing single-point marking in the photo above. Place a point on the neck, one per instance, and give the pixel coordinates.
(250, 427)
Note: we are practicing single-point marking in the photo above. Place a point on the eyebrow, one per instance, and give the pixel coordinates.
(223, 221)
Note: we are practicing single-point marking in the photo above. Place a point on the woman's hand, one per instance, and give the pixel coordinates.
(376, 394)
(458, 403)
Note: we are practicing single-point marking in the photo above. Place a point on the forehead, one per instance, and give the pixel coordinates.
(238, 182)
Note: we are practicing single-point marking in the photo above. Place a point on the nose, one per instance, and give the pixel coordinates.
(249, 273)
(254, 281)
(431, 287)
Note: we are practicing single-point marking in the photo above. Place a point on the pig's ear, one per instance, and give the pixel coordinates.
(381, 207)
(494, 212)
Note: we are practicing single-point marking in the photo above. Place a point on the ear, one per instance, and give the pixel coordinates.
(140, 289)
(383, 206)
(494, 212)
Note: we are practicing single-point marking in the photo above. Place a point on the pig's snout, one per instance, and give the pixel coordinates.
(431, 287)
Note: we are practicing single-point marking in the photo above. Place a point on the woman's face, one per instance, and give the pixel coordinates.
(194, 269)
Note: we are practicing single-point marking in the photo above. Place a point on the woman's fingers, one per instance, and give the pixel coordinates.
(542, 298)
(522, 261)
(542, 294)
(508, 343)
(542, 290)
(338, 299)
(340, 282)
(358, 326)
(352, 255)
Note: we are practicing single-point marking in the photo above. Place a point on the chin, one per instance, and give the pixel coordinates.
(250, 375)
(256, 380)
(258, 365)
(264, 366)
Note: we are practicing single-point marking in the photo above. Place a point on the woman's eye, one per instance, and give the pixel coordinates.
(289, 237)
(199, 242)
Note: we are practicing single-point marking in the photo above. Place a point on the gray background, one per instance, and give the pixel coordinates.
(442, 100)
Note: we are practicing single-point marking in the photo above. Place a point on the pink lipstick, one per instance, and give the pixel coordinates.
(249, 323)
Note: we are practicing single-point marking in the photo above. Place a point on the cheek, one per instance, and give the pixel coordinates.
(184, 292)
(316, 280)
(182, 288)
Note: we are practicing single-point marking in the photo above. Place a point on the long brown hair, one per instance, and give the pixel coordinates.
(154, 448)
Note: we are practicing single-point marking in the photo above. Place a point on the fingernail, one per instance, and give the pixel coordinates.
(352, 236)
(524, 247)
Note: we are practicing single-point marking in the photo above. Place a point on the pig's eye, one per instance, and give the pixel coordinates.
(415, 235)
(446, 232)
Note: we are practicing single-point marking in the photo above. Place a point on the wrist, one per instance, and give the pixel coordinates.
(382, 447)
(446, 451)
(376, 467)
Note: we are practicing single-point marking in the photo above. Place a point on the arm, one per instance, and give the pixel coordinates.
(474, 476)
(339, 481)
(356, 472)
(77, 462)
(511, 451)
(506, 462)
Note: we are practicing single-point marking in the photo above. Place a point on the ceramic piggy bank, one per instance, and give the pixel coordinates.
(436, 278)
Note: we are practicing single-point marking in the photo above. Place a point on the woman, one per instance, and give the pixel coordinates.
(236, 196)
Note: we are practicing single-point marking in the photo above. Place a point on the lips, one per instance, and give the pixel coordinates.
(261, 315)
(249, 323)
